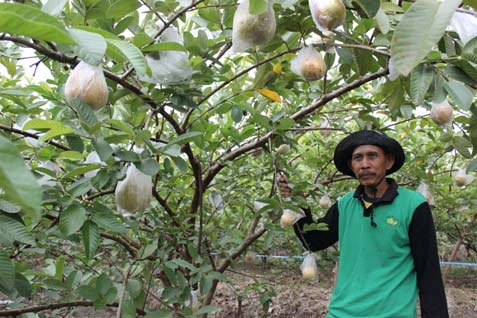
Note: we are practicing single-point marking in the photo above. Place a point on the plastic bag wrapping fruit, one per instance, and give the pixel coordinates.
(309, 64)
(134, 193)
(308, 267)
(461, 178)
(442, 113)
(87, 83)
(250, 30)
(168, 67)
(327, 14)
(289, 217)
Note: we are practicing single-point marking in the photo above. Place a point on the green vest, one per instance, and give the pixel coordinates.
(376, 276)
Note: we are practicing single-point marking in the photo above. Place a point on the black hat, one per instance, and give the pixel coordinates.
(344, 150)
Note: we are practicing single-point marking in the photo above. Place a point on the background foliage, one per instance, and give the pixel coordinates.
(209, 140)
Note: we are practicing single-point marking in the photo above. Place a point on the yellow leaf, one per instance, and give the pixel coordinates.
(277, 68)
(270, 94)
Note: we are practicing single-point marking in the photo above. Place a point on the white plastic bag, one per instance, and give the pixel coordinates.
(309, 64)
(134, 193)
(87, 83)
(327, 14)
(423, 189)
(308, 267)
(325, 201)
(250, 30)
(289, 217)
(168, 67)
(442, 113)
(462, 179)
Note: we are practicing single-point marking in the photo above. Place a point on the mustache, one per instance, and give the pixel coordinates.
(368, 174)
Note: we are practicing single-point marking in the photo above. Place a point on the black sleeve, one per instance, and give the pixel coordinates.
(422, 236)
(315, 240)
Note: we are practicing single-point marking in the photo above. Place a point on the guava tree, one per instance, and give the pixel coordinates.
(202, 127)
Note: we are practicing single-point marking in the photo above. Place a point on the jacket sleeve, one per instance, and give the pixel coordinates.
(315, 240)
(422, 236)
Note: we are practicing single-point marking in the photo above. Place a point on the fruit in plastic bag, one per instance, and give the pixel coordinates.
(327, 14)
(250, 30)
(283, 149)
(134, 193)
(87, 83)
(308, 268)
(325, 202)
(462, 179)
(289, 217)
(309, 64)
(441, 113)
(250, 256)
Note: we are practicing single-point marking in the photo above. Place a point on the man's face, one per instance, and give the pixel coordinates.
(370, 163)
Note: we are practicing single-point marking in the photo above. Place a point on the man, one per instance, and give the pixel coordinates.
(387, 240)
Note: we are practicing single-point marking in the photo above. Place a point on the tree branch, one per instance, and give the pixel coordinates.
(27, 134)
(225, 83)
(217, 166)
(132, 251)
(54, 55)
(17, 312)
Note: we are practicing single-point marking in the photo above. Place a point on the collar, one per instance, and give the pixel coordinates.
(388, 197)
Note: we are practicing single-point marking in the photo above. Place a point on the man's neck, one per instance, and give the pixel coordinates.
(377, 191)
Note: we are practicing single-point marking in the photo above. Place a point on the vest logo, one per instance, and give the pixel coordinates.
(392, 221)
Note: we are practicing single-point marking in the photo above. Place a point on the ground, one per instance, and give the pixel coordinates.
(296, 297)
(253, 285)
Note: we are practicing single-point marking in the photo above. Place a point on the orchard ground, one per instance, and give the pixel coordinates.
(278, 283)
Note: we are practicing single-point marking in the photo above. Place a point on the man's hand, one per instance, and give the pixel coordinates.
(283, 187)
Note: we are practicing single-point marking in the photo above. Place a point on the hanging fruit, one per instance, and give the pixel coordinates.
(309, 64)
(327, 14)
(87, 83)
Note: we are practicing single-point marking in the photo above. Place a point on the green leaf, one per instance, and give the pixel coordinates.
(207, 310)
(8, 207)
(103, 284)
(72, 219)
(257, 7)
(165, 46)
(460, 94)
(105, 218)
(421, 79)
(133, 54)
(382, 21)
(91, 46)
(22, 285)
(17, 181)
(419, 30)
(103, 149)
(148, 166)
(88, 292)
(91, 238)
(121, 8)
(15, 230)
(285, 123)
(159, 314)
(185, 264)
(72, 155)
(28, 21)
(187, 137)
(472, 166)
(84, 111)
(55, 128)
(7, 272)
(462, 145)
(126, 155)
(370, 7)
(122, 126)
(54, 7)
(470, 50)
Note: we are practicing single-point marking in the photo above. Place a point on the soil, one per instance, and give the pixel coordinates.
(295, 297)
(275, 289)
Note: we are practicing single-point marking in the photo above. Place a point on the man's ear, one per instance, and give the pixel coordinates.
(389, 160)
